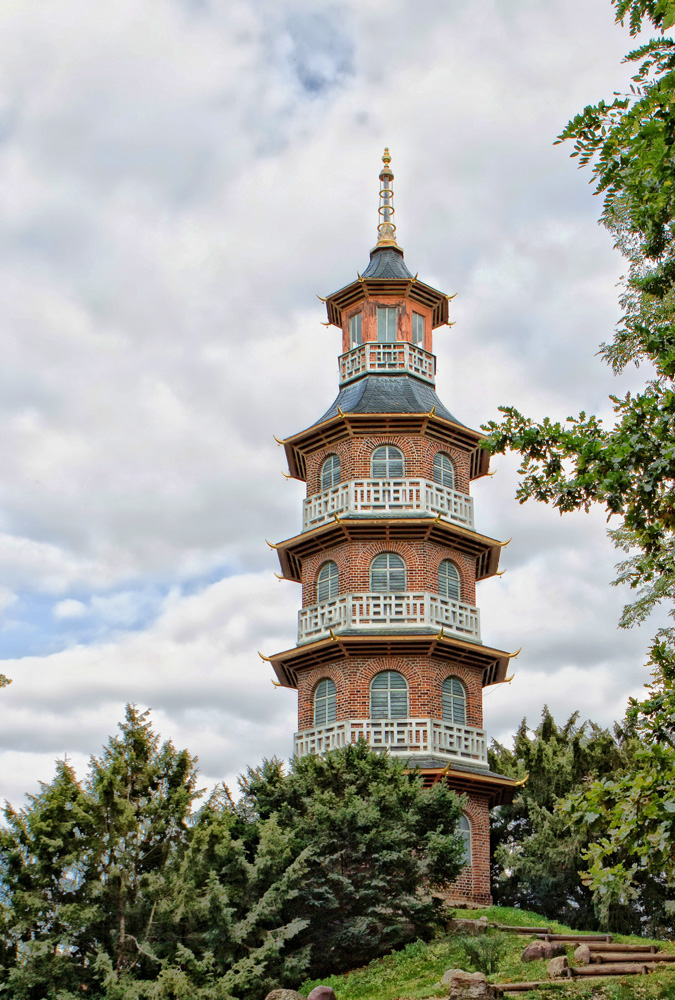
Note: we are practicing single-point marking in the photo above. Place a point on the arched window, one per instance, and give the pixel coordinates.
(454, 700)
(327, 582)
(448, 580)
(330, 472)
(464, 830)
(324, 702)
(387, 574)
(389, 696)
(444, 470)
(387, 463)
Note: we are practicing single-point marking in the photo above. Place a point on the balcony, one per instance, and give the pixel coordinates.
(408, 737)
(383, 359)
(388, 612)
(375, 497)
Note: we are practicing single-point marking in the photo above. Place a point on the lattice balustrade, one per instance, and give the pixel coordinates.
(382, 358)
(374, 612)
(378, 497)
(407, 737)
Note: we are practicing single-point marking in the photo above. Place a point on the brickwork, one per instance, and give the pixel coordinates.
(422, 560)
(355, 457)
(368, 310)
(425, 676)
(473, 885)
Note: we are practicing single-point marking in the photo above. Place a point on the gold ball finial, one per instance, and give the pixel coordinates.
(386, 158)
(386, 230)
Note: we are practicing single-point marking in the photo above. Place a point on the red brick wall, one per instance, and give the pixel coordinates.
(473, 885)
(424, 675)
(422, 559)
(355, 455)
(368, 310)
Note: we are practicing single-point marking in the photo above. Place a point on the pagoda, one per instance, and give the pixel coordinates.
(389, 642)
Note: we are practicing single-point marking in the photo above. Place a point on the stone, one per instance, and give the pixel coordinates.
(462, 925)
(537, 950)
(322, 993)
(463, 985)
(556, 967)
(284, 995)
(583, 954)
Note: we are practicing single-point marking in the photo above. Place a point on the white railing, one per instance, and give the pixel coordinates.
(376, 612)
(408, 737)
(376, 497)
(381, 358)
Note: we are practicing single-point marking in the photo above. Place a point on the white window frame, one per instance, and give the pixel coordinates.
(444, 470)
(355, 331)
(453, 697)
(327, 582)
(419, 329)
(387, 323)
(389, 700)
(390, 463)
(465, 830)
(449, 580)
(331, 472)
(325, 702)
(388, 574)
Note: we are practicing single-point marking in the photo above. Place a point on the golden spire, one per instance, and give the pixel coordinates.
(386, 230)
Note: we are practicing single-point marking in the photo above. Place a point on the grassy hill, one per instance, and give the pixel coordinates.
(411, 974)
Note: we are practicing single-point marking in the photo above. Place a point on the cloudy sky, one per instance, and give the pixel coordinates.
(178, 180)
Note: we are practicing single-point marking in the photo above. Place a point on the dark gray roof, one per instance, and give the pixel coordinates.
(457, 765)
(388, 394)
(387, 263)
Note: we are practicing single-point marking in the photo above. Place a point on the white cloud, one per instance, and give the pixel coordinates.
(70, 608)
(177, 181)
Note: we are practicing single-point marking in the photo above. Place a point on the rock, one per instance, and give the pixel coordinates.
(583, 954)
(284, 995)
(537, 950)
(461, 925)
(556, 967)
(322, 993)
(467, 985)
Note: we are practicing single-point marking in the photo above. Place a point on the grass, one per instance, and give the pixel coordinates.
(413, 972)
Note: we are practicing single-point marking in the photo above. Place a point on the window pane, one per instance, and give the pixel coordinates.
(448, 580)
(387, 463)
(327, 582)
(355, 337)
(454, 701)
(386, 324)
(418, 329)
(330, 472)
(444, 471)
(389, 696)
(324, 703)
(387, 574)
(464, 829)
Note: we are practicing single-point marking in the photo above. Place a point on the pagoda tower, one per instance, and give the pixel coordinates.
(389, 638)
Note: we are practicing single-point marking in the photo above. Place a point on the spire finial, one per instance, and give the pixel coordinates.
(386, 230)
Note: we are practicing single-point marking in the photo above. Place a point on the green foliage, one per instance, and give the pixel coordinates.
(537, 852)
(485, 952)
(628, 468)
(114, 887)
(633, 813)
(377, 844)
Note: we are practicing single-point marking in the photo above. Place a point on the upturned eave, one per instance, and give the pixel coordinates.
(365, 288)
(492, 663)
(330, 432)
(292, 551)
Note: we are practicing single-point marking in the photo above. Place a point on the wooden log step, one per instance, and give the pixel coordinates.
(643, 949)
(601, 958)
(581, 938)
(520, 987)
(522, 930)
(623, 969)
